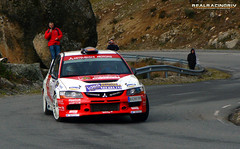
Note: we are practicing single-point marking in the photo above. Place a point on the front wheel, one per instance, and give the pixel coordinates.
(142, 116)
(56, 112)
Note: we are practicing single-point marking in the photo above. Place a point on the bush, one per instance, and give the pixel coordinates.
(153, 9)
(114, 21)
(189, 13)
(4, 73)
(133, 40)
(162, 14)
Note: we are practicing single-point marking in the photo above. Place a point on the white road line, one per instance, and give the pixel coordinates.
(221, 121)
(216, 113)
(226, 106)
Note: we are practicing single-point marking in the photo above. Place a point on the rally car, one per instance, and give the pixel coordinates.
(93, 82)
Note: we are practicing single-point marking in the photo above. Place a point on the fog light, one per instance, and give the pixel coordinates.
(124, 108)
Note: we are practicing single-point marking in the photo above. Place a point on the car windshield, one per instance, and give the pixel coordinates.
(95, 66)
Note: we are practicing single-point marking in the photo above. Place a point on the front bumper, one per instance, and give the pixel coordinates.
(102, 105)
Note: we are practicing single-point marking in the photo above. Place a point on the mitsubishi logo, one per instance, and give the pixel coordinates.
(104, 95)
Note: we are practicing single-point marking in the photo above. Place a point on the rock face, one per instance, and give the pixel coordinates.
(41, 46)
(23, 23)
(229, 39)
(31, 72)
(20, 78)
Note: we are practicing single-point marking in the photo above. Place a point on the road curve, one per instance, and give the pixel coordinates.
(182, 116)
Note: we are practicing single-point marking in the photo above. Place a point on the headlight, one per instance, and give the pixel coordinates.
(135, 91)
(70, 94)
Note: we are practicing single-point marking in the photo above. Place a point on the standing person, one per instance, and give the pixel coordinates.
(112, 45)
(53, 35)
(192, 60)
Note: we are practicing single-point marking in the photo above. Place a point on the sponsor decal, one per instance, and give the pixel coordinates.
(74, 101)
(135, 108)
(57, 84)
(106, 112)
(75, 87)
(60, 101)
(134, 99)
(144, 103)
(72, 115)
(103, 86)
(85, 78)
(134, 112)
(73, 111)
(81, 57)
(131, 85)
(106, 77)
(104, 56)
(61, 108)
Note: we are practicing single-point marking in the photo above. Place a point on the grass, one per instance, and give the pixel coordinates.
(16, 91)
(210, 74)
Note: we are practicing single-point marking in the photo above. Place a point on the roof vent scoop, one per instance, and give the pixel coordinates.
(89, 50)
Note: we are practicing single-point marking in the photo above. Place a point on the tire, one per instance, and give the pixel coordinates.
(142, 116)
(45, 109)
(56, 112)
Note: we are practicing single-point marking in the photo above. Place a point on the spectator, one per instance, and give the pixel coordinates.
(192, 59)
(112, 45)
(53, 35)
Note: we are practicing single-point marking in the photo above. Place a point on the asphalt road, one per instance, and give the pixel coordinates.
(181, 116)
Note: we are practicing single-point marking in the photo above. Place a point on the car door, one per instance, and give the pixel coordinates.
(52, 78)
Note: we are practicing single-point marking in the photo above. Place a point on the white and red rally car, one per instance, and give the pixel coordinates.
(92, 82)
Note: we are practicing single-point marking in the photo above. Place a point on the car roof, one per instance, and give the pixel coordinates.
(75, 53)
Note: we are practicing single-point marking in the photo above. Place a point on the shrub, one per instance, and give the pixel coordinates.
(147, 28)
(4, 73)
(114, 21)
(162, 14)
(153, 9)
(133, 40)
(189, 13)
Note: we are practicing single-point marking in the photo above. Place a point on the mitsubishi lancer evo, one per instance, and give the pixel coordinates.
(93, 82)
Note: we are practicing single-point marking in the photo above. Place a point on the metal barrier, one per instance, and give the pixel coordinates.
(166, 68)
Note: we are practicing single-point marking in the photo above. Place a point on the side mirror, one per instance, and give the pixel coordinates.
(134, 71)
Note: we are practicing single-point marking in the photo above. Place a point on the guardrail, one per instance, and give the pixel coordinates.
(166, 68)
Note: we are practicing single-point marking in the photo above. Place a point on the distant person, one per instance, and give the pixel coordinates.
(192, 59)
(112, 45)
(53, 35)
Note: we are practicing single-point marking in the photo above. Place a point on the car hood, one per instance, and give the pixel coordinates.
(98, 83)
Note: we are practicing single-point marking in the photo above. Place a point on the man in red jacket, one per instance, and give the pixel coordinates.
(53, 35)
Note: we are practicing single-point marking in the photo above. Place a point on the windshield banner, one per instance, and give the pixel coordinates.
(69, 58)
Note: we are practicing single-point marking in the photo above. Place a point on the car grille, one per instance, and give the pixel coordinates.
(73, 107)
(105, 107)
(104, 94)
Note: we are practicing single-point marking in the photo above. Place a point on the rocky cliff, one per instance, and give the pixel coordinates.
(167, 24)
(23, 23)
